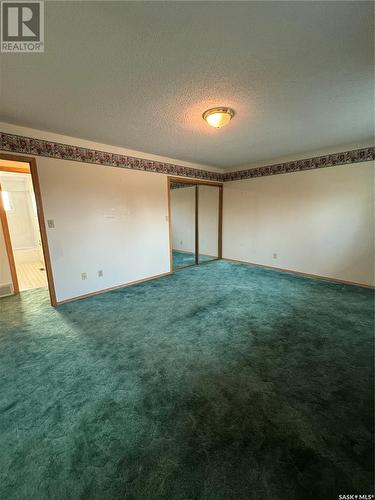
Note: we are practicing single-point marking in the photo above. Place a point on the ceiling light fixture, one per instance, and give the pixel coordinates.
(218, 117)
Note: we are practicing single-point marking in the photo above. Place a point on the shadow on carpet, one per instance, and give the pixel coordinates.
(223, 381)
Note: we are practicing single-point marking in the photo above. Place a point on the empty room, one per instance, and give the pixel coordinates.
(187, 250)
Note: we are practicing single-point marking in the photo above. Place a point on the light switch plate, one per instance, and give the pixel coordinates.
(51, 223)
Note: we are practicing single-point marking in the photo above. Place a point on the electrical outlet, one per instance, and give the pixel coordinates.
(51, 223)
(274, 255)
(83, 276)
(100, 273)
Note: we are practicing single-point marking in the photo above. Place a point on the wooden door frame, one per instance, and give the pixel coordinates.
(33, 171)
(196, 233)
(196, 183)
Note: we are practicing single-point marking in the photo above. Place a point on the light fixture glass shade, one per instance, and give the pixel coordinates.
(218, 117)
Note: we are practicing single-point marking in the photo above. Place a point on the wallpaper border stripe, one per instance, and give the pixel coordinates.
(331, 160)
(40, 147)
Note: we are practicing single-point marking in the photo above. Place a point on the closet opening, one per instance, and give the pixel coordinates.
(195, 221)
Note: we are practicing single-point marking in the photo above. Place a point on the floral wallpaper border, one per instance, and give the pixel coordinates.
(344, 158)
(39, 147)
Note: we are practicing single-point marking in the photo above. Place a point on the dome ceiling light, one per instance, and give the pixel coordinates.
(218, 117)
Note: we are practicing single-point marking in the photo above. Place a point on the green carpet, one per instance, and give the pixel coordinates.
(184, 259)
(223, 381)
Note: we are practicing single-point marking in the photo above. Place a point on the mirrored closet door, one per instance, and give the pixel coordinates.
(208, 222)
(183, 215)
(195, 222)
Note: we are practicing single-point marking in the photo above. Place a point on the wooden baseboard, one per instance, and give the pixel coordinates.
(306, 275)
(105, 290)
(298, 273)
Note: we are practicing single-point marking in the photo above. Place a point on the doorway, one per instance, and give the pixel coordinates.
(20, 208)
(24, 255)
(195, 219)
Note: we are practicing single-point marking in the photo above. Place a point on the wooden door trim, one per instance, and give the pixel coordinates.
(8, 245)
(18, 170)
(196, 233)
(194, 182)
(170, 225)
(42, 226)
(220, 229)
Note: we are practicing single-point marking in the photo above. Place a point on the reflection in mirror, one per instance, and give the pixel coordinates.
(208, 222)
(182, 199)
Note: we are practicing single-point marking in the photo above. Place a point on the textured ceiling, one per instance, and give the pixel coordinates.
(299, 76)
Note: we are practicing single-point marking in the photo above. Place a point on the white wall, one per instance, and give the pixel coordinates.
(183, 218)
(318, 222)
(108, 219)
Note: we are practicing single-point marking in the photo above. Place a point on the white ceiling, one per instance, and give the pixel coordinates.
(299, 76)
